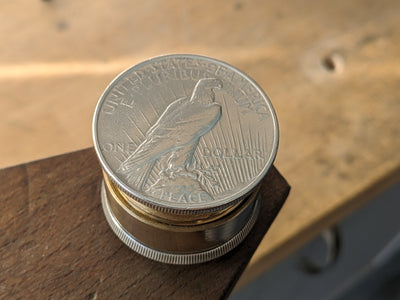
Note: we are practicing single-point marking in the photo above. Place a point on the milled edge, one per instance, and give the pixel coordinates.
(181, 211)
(171, 258)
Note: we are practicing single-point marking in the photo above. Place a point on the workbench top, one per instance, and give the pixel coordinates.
(331, 69)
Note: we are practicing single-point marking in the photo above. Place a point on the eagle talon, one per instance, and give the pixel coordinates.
(205, 177)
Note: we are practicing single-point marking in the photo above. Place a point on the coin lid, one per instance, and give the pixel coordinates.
(185, 133)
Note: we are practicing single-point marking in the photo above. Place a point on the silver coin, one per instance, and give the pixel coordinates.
(185, 133)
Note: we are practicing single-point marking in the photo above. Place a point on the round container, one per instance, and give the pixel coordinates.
(184, 141)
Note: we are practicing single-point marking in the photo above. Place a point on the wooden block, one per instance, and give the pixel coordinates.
(55, 242)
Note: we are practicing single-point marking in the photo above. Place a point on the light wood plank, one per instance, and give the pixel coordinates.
(339, 128)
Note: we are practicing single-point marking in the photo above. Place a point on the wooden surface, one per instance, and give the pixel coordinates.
(331, 68)
(55, 242)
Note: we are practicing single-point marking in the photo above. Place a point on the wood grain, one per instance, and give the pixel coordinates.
(331, 69)
(55, 242)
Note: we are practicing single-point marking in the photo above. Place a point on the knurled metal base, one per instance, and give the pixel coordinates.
(171, 258)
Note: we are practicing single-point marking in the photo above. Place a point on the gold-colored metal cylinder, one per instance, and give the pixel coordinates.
(185, 238)
(168, 217)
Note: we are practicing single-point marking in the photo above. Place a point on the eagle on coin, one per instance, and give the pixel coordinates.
(175, 136)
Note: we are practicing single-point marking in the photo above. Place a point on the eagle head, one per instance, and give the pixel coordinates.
(204, 90)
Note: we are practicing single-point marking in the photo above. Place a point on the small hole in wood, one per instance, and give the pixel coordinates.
(333, 63)
(92, 296)
(238, 6)
(328, 63)
(62, 25)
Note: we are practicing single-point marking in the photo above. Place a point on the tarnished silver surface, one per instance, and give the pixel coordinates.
(185, 133)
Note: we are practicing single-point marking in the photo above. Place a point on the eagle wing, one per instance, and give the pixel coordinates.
(181, 125)
(160, 139)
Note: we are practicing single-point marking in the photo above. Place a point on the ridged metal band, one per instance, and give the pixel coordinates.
(171, 258)
(173, 210)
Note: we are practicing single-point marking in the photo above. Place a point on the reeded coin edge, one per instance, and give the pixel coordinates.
(181, 211)
(171, 258)
(175, 207)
